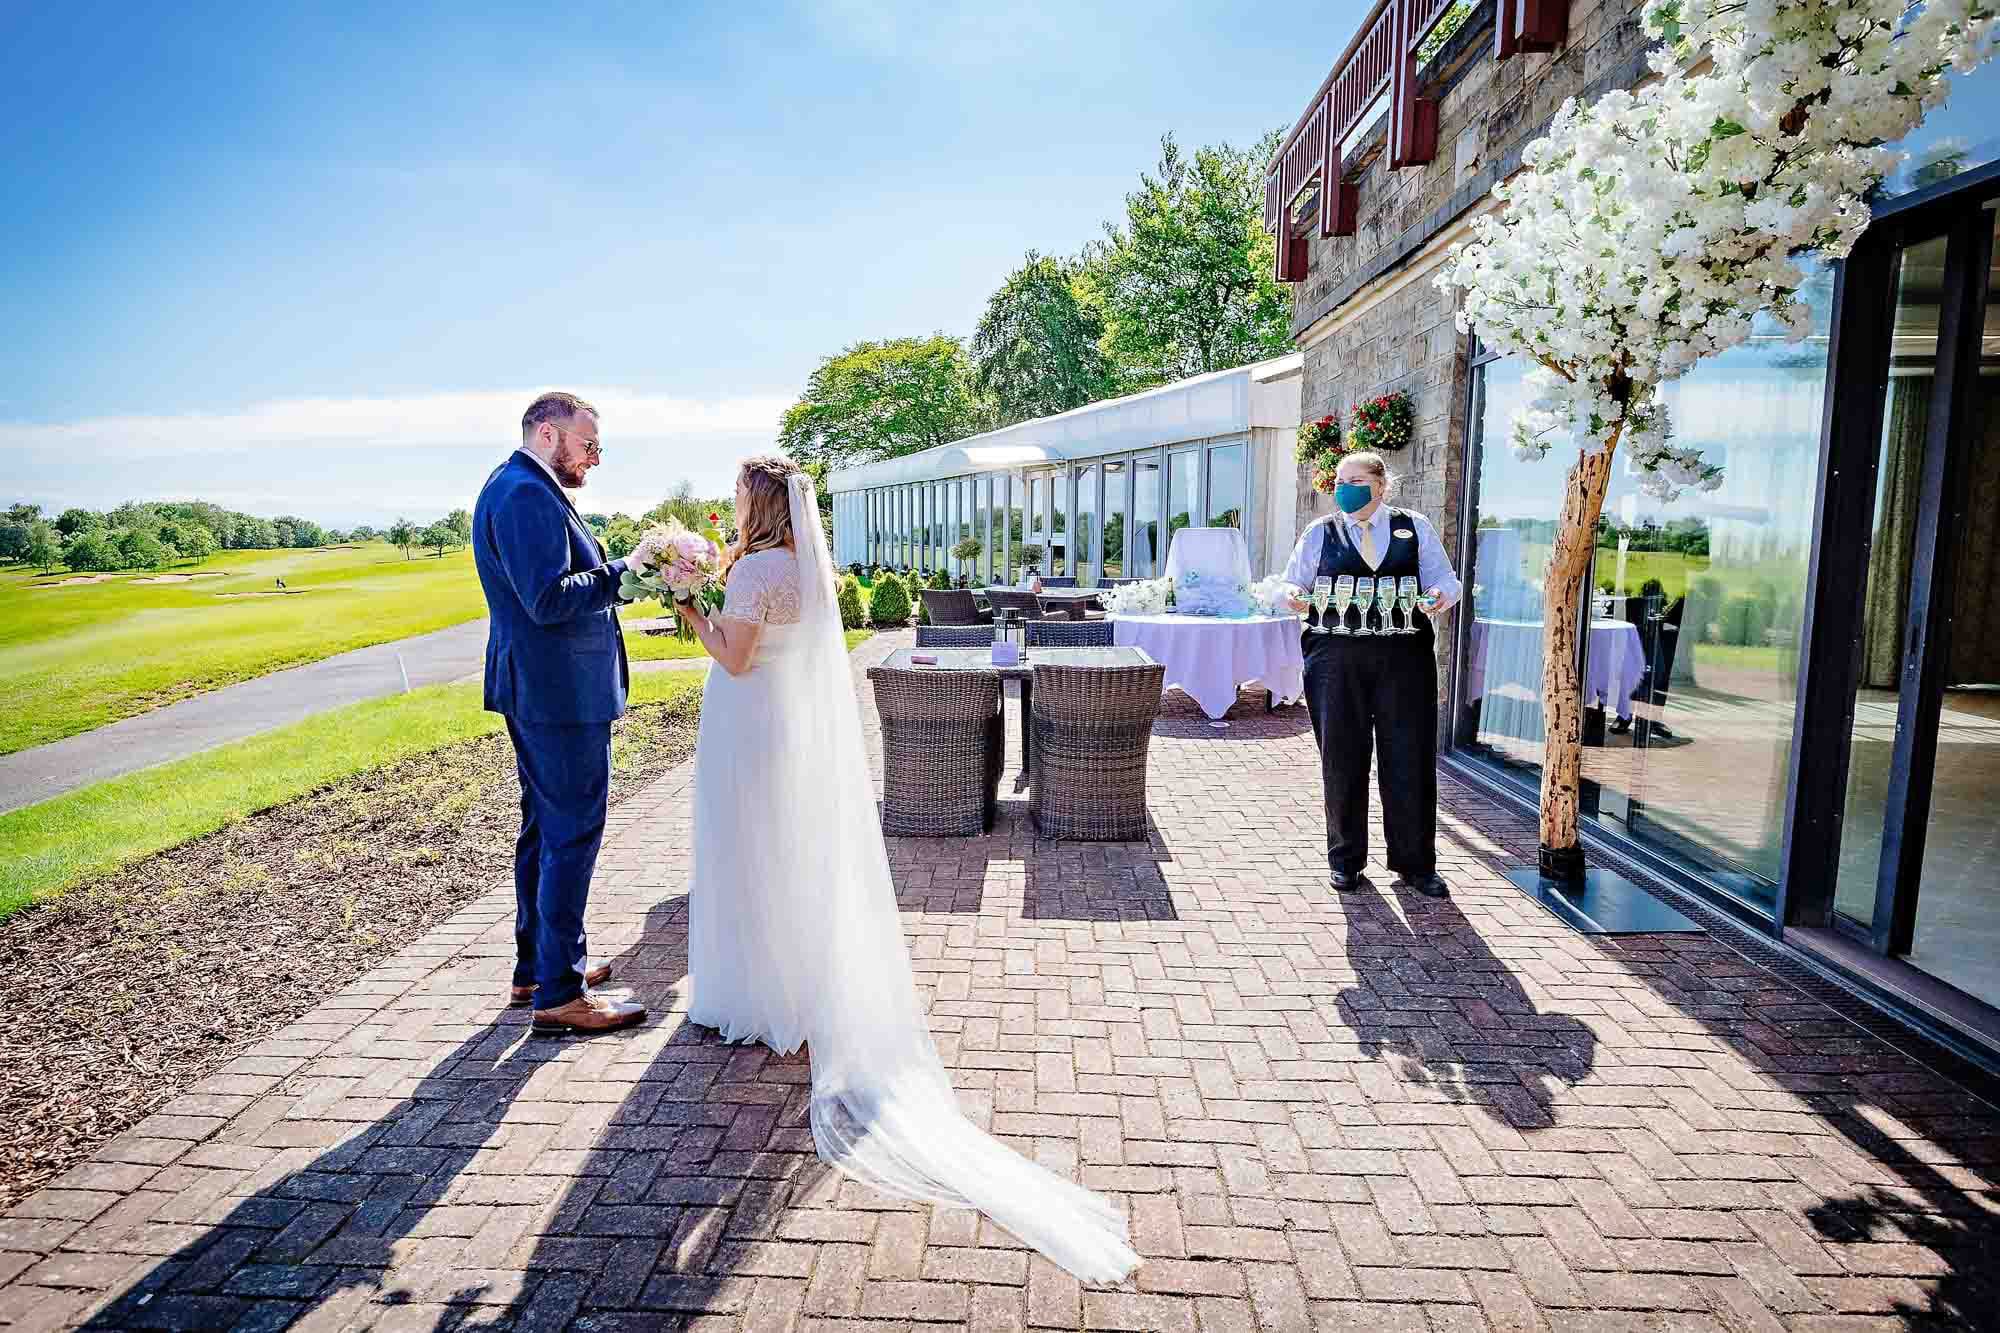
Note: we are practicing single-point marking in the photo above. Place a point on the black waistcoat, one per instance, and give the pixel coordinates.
(1340, 556)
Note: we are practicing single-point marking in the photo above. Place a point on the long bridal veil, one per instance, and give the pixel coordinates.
(883, 1110)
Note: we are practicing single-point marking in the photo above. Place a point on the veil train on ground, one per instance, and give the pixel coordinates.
(883, 1108)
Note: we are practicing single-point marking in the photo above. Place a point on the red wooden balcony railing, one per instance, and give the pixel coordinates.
(1380, 61)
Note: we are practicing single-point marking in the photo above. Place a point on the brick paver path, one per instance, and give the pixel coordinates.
(1321, 1112)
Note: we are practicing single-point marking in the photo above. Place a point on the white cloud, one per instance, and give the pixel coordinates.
(483, 420)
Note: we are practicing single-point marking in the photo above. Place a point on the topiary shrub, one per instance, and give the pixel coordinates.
(851, 615)
(890, 603)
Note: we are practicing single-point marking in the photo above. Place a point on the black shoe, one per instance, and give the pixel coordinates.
(1348, 881)
(1621, 726)
(1431, 884)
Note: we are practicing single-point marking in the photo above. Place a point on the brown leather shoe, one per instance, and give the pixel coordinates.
(520, 997)
(587, 1013)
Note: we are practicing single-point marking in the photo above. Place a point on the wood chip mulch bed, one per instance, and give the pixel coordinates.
(122, 992)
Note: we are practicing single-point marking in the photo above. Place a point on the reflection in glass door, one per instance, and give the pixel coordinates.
(1146, 556)
(1113, 556)
(1919, 866)
(1083, 544)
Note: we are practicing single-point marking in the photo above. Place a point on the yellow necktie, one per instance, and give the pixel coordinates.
(1368, 545)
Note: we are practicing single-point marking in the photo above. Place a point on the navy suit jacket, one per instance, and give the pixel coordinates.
(554, 652)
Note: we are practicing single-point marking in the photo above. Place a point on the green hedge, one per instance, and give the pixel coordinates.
(890, 604)
(851, 616)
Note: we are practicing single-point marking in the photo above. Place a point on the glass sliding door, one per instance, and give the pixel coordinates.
(1919, 866)
(1083, 543)
(1183, 477)
(1228, 485)
(1690, 657)
(1146, 555)
(1117, 479)
(1036, 489)
(1060, 561)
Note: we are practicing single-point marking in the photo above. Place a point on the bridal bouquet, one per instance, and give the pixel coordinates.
(1148, 597)
(682, 567)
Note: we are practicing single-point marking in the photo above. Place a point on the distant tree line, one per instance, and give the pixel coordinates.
(154, 534)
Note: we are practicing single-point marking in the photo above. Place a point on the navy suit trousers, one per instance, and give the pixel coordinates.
(565, 783)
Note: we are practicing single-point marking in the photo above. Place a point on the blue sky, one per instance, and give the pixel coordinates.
(315, 258)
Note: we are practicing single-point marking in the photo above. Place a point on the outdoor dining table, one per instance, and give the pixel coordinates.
(1210, 657)
(1072, 600)
(981, 659)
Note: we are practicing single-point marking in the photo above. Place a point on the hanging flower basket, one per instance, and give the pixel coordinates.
(1386, 422)
(1321, 449)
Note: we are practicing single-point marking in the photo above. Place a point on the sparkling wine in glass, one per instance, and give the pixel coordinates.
(1406, 597)
(1343, 597)
(1364, 597)
(1322, 594)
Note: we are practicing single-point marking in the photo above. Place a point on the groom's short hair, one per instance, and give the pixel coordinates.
(558, 409)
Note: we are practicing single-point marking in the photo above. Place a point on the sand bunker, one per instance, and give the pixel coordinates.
(165, 578)
(269, 592)
(78, 579)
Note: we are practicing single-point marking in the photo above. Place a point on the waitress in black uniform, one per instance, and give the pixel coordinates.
(1376, 691)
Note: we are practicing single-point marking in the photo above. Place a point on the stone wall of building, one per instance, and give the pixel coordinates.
(1368, 317)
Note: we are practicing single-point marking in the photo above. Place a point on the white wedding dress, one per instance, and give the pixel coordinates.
(794, 937)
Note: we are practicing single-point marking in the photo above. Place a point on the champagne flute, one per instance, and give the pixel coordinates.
(1343, 597)
(1322, 594)
(1364, 597)
(1406, 597)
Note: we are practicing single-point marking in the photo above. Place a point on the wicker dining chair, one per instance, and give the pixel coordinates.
(1059, 581)
(953, 606)
(954, 636)
(943, 746)
(1069, 634)
(1092, 728)
(1024, 604)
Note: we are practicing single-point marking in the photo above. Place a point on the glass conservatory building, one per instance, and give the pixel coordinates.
(1092, 494)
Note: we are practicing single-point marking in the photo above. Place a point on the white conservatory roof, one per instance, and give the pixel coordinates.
(1223, 402)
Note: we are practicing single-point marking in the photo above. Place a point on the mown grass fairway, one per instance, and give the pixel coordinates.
(74, 656)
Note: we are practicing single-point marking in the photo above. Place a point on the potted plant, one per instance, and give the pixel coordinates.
(1320, 450)
(1383, 422)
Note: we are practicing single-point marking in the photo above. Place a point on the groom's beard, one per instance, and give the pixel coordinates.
(567, 472)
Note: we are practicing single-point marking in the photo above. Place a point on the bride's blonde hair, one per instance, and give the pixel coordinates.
(765, 523)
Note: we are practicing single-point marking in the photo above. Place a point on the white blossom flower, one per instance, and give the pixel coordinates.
(1649, 229)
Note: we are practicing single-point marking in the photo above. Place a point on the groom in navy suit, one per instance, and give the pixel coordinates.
(555, 668)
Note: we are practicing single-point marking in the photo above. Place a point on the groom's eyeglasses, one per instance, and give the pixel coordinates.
(596, 449)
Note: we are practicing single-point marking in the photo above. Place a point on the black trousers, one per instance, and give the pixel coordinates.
(1369, 696)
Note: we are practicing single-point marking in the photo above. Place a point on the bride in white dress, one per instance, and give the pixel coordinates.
(793, 932)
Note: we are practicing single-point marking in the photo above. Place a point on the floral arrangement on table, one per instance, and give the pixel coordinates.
(683, 568)
(1272, 595)
(1383, 422)
(1147, 597)
(1320, 449)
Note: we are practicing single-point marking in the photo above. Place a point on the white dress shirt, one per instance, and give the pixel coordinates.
(1433, 566)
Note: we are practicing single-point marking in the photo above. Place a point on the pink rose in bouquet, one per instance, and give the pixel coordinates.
(681, 568)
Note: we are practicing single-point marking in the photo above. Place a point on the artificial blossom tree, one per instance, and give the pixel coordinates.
(1648, 230)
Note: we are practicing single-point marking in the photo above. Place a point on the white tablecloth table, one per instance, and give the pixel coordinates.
(1210, 657)
(1508, 653)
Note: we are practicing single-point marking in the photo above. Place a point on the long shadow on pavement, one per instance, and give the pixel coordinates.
(520, 1179)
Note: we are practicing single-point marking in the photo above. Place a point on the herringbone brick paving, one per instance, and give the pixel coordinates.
(1321, 1112)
